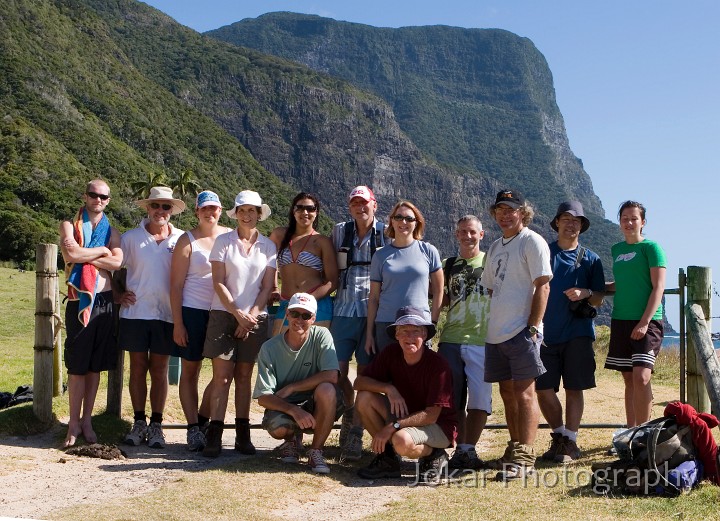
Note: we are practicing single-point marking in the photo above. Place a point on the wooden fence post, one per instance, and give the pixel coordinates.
(697, 326)
(45, 316)
(699, 284)
(57, 355)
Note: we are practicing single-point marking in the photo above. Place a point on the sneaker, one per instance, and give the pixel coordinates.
(382, 466)
(317, 462)
(462, 459)
(195, 439)
(499, 463)
(352, 450)
(431, 467)
(346, 426)
(290, 450)
(512, 471)
(137, 434)
(155, 436)
(551, 453)
(568, 451)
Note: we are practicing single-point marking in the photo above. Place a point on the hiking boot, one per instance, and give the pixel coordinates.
(462, 459)
(195, 439)
(568, 451)
(242, 439)
(499, 463)
(512, 471)
(290, 450)
(317, 462)
(551, 453)
(352, 450)
(155, 436)
(431, 467)
(137, 434)
(213, 441)
(346, 426)
(382, 466)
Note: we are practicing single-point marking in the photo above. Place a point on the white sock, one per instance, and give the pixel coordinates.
(572, 435)
(465, 447)
(559, 430)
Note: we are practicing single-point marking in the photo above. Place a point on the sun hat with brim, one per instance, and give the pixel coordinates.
(303, 301)
(575, 209)
(162, 193)
(410, 316)
(251, 198)
(207, 198)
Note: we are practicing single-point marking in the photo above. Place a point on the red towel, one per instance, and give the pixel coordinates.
(700, 424)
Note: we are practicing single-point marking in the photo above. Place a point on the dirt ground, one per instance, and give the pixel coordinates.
(37, 477)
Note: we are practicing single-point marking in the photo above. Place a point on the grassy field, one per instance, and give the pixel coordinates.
(250, 488)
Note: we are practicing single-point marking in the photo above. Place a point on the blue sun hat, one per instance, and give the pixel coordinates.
(207, 198)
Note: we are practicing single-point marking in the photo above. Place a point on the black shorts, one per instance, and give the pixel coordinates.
(196, 322)
(142, 336)
(573, 361)
(91, 349)
(626, 353)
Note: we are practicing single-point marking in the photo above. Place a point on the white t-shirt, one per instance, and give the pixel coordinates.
(509, 272)
(148, 273)
(243, 271)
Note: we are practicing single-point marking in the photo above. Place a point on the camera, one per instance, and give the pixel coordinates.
(582, 309)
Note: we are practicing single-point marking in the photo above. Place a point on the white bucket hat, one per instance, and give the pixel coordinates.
(162, 193)
(252, 198)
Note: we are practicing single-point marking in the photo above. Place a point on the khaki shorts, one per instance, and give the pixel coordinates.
(431, 435)
(220, 341)
(273, 420)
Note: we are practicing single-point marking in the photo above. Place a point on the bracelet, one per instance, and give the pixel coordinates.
(591, 293)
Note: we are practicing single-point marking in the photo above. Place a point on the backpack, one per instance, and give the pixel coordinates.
(649, 458)
(377, 240)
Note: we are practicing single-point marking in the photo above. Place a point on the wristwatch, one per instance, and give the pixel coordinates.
(533, 330)
(396, 426)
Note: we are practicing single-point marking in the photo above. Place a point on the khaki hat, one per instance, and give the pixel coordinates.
(162, 193)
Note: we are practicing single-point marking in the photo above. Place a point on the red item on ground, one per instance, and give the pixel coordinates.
(700, 424)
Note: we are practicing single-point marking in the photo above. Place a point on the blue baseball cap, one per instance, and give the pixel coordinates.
(207, 198)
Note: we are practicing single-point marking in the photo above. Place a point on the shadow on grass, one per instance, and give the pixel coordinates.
(20, 420)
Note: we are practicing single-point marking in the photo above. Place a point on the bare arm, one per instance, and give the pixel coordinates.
(437, 280)
(398, 407)
(309, 383)
(266, 288)
(575, 294)
(72, 252)
(657, 277)
(178, 272)
(539, 300)
(330, 269)
(373, 303)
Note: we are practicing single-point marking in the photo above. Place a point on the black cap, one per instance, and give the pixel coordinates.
(575, 209)
(509, 197)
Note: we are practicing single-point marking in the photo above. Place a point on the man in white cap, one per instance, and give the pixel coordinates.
(146, 320)
(297, 384)
(355, 242)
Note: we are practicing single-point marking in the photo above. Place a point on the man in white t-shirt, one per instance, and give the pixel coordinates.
(146, 322)
(517, 274)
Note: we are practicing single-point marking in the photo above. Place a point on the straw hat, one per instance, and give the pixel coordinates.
(162, 193)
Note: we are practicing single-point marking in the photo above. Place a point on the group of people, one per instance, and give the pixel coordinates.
(519, 315)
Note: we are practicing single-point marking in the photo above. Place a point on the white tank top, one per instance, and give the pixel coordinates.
(198, 290)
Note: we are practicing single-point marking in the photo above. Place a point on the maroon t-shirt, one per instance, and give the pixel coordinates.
(425, 384)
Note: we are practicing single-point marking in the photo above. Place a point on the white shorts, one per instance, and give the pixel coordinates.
(467, 363)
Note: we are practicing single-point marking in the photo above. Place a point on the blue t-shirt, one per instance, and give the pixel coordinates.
(560, 323)
(404, 274)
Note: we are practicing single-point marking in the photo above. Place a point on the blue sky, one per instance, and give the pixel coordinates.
(638, 83)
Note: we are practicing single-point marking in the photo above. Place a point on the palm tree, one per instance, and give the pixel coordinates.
(184, 183)
(142, 187)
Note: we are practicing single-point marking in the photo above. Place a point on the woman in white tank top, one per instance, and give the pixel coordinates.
(191, 293)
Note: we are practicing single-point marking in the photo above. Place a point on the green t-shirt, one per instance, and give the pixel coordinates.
(631, 270)
(278, 365)
(469, 303)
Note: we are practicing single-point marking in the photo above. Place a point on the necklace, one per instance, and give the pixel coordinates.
(502, 239)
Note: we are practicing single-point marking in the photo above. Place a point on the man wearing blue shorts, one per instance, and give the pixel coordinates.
(462, 341)
(567, 352)
(517, 274)
(355, 241)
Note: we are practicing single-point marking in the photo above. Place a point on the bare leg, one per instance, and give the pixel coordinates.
(188, 389)
(405, 446)
(527, 411)
(575, 404)
(222, 377)
(629, 400)
(325, 406)
(551, 407)
(642, 394)
(206, 403)
(158, 381)
(474, 425)
(243, 388)
(139, 365)
(92, 382)
(372, 410)
(76, 392)
(508, 398)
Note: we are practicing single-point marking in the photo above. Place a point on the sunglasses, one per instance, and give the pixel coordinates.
(296, 314)
(166, 207)
(405, 218)
(95, 195)
(308, 207)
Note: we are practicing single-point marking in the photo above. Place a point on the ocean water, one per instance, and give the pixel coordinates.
(674, 341)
